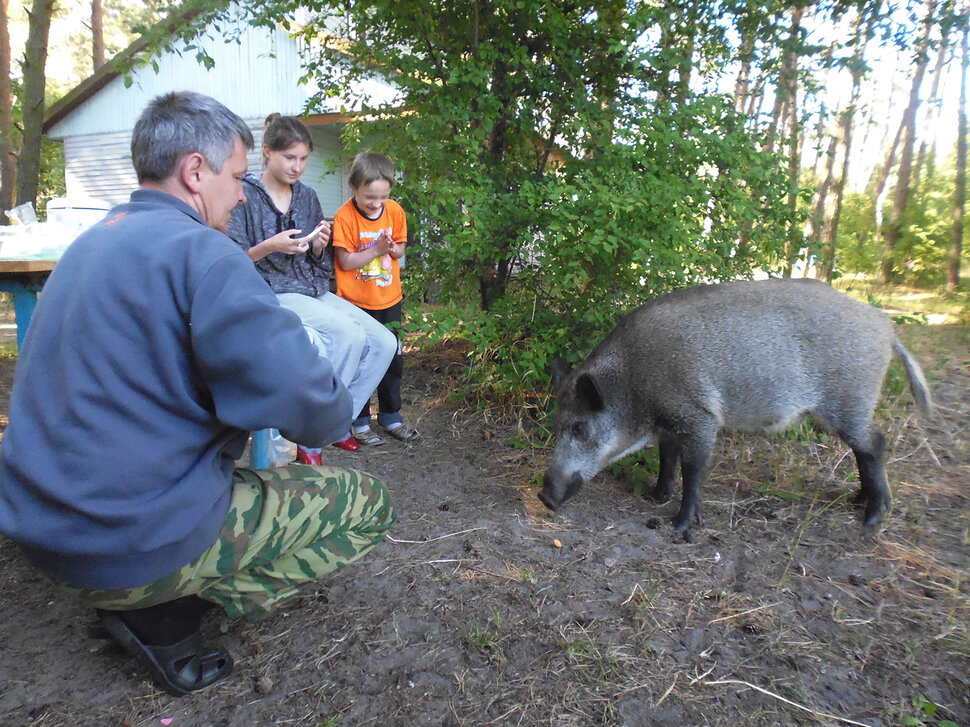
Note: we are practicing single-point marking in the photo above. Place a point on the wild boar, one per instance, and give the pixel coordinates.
(746, 355)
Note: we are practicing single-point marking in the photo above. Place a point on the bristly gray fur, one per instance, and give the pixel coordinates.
(748, 355)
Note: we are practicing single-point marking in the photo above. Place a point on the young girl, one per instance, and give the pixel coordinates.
(370, 235)
(282, 228)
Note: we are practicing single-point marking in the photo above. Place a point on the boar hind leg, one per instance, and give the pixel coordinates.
(694, 455)
(873, 488)
(669, 456)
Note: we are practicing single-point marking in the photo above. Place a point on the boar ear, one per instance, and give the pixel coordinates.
(557, 372)
(588, 393)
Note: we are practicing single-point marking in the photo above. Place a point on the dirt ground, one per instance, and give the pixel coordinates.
(484, 609)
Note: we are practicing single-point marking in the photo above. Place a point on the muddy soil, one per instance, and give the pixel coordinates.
(484, 609)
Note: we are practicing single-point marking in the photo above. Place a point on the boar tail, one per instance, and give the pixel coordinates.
(917, 382)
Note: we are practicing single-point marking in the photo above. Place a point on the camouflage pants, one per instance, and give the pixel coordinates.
(285, 527)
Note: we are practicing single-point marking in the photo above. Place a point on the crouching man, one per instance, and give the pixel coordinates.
(154, 349)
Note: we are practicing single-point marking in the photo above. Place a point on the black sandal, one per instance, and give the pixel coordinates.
(179, 669)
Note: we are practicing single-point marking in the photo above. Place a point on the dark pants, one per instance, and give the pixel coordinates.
(389, 390)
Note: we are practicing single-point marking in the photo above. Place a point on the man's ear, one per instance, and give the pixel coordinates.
(191, 167)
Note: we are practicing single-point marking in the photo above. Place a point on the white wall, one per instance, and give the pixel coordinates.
(330, 186)
(99, 166)
(255, 77)
(261, 72)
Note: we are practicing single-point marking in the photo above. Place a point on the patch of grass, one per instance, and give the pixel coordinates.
(896, 383)
(584, 654)
(809, 518)
(924, 710)
(806, 431)
(518, 442)
(639, 469)
(484, 637)
(579, 647)
(781, 494)
(907, 304)
(520, 574)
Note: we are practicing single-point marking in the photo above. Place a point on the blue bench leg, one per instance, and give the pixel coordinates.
(24, 302)
(258, 450)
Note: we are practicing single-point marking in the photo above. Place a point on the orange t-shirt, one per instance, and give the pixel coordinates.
(371, 286)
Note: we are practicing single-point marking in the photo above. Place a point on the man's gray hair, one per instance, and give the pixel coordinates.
(181, 123)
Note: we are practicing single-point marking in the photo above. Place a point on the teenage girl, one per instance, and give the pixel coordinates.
(282, 228)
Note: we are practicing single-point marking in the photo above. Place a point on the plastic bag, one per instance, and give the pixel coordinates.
(279, 451)
(22, 214)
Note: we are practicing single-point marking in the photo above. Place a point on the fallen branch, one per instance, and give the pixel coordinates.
(766, 692)
(742, 613)
(431, 540)
(667, 693)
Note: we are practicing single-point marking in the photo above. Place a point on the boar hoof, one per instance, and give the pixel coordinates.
(683, 519)
(547, 501)
(875, 510)
(658, 494)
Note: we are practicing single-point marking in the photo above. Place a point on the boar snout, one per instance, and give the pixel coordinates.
(556, 489)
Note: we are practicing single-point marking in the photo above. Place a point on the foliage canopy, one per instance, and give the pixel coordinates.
(554, 166)
(561, 162)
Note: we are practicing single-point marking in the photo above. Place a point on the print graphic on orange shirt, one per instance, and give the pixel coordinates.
(377, 285)
(378, 270)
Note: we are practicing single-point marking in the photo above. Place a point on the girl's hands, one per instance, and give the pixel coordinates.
(286, 242)
(319, 238)
(290, 243)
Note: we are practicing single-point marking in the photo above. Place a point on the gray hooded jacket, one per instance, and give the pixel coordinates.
(258, 219)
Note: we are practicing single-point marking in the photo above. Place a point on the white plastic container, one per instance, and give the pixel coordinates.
(76, 213)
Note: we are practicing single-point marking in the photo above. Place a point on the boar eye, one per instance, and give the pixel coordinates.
(578, 429)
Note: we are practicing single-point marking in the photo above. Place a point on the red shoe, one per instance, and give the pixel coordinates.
(350, 444)
(309, 455)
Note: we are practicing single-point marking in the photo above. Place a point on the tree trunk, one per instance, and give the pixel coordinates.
(882, 171)
(97, 34)
(756, 99)
(821, 160)
(748, 26)
(794, 167)
(956, 248)
(934, 110)
(901, 197)
(743, 80)
(688, 40)
(8, 161)
(777, 113)
(789, 80)
(35, 67)
(830, 231)
(493, 281)
(817, 220)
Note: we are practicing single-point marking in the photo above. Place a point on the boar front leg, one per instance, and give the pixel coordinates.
(669, 457)
(695, 452)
